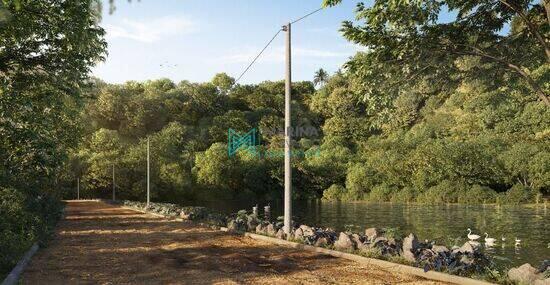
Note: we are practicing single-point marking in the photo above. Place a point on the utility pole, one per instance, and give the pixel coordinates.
(78, 188)
(114, 197)
(148, 173)
(288, 135)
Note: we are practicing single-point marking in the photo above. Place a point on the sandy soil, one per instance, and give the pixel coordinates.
(101, 244)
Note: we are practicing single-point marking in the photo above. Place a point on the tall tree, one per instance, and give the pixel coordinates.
(407, 40)
(46, 51)
(320, 77)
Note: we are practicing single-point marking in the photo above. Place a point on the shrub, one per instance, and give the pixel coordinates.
(334, 193)
(382, 193)
(444, 192)
(404, 195)
(518, 194)
(477, 195)
(26, 219)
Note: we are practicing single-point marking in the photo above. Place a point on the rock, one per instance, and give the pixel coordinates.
(232, 226)
(525, 274)
(468, 247)
(260, 229)
(344, 242)
(298, 234)
(544, 266)
(372, 233)
(542, 281)
(440, 249)
(358, 240)
(379, 239)
(410, 246)
(307, 231)
(270, 230)
(280, 234)
(466, 260)
(184, 215)
(321, 242)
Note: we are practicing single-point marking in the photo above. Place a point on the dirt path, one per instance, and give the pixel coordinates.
(102, 244)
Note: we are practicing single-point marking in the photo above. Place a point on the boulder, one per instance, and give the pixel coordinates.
(544, 266)
(372, 233)
(298, 234)
(344, 243)
(232, 226)
(468, 248)
(321, 242)
(280, 234)
(525, 274)
(466, 260)
(307, 231)
(542, 281)
(410, 246)
(270, 230)
(440, 249)
(260, 229)
(185, 215)
(358, 240)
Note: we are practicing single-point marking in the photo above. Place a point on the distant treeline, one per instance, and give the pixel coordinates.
(471, 145)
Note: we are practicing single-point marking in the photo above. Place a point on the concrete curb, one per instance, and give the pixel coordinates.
(13, 277)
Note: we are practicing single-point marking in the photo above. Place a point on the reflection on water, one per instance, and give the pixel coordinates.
(446, 224)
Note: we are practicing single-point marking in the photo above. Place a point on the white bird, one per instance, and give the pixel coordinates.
(488, 240)
(503, 239)
(518, 242)
(471, 236)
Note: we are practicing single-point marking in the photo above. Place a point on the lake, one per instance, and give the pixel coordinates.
(446, 224)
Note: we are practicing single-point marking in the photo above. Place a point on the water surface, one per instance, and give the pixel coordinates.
(446, 224)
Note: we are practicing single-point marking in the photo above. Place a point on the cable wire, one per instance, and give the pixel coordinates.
(258, 56)
(303, 17)
(269, 43)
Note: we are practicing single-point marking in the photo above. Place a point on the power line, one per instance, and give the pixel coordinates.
(305, 16)
(257, 56)
(269, 43)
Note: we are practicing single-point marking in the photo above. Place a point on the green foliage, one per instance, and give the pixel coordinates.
(477, 195)
(518, 194)
(26, 218)
(335, 193)
(47, 49)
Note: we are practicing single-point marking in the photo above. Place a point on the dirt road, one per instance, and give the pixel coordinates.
(98, 243)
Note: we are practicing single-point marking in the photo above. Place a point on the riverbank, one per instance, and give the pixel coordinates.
(100, 243)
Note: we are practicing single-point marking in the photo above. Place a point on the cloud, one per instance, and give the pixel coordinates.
(150, 30)
(277, 54)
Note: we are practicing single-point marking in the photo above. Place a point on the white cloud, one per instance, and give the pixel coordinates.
(277, 54)
(150, 30)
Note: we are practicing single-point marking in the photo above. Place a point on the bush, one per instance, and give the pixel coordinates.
(444, 192)
(518, 194)
(334, 193)
(404, 195)
(26, 218)
(477, 195)
(382, 193)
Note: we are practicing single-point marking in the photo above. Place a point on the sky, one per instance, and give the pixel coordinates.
(193, 40)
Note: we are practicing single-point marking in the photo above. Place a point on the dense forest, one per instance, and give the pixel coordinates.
(431, 112)
(462, 145)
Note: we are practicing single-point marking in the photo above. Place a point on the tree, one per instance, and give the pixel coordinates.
(406, 40)
(320, 77)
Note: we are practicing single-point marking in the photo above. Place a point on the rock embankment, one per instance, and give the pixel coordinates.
(465, 260)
